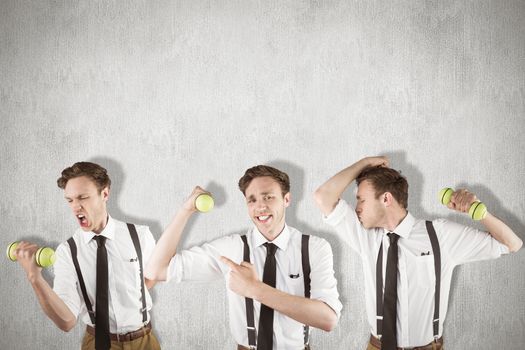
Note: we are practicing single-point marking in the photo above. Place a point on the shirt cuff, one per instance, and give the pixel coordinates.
(174, 272)
(334, 304)
(337, 214)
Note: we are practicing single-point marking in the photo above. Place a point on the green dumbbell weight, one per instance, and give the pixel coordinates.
(477, 210)
(204, 202)
(44, 256)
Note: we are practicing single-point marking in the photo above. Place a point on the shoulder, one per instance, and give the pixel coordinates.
(444, 226)
(143, 231)
(314, 242)
(226, 243)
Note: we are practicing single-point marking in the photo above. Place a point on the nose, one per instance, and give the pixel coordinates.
(75, 206)
(262, 207)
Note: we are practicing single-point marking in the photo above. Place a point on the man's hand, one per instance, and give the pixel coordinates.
(461, 200)
(189, 204)
(243, 278)
(25, 255)
(379, 161)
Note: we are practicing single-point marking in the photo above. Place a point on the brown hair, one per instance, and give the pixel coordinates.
(265, 170)
(95, 172)
(386, 180)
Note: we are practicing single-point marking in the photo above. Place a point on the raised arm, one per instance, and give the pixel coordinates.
(461, 200)
(166, 247)
(50, 302)
(328, 194)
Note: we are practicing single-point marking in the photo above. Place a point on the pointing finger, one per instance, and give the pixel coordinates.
(230, 263)
(246, 264)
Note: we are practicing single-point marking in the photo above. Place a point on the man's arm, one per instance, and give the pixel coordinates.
(50, 302)
(461, 200)
(157, 267)
(328, 194)
(315, 313)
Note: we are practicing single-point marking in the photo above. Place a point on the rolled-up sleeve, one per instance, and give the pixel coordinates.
(466, 244)
(323, 281)
(65, 282)
(147, 243)
(202, 263)
(348, 227)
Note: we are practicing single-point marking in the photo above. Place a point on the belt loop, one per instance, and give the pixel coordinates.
(118, 337)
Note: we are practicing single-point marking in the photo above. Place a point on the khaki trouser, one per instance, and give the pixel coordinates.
(147, 342)
(240, 347)
(431, 346)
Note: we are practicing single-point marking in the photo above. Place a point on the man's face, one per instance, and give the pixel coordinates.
(370, 211)
(267, 205)
(87, 203)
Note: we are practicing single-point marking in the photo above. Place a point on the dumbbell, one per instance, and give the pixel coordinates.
(477, 210)
(204, 202)
(44, 256)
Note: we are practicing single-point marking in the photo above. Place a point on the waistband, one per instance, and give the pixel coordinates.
(142, 331)
(430, 346)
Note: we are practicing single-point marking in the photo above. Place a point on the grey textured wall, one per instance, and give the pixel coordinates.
(169, 94)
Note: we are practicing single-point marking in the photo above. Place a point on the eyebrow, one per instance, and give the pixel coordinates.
(80, 195)
(261, 194)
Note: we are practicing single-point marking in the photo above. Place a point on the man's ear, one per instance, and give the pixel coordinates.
(105, 194)
(387, 199)
(287, 199)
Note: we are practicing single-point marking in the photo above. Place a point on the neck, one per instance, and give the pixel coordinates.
(102, 225)
(270, 236)
(395, 219)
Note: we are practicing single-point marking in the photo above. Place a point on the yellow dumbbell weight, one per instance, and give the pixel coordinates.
(477, 210)
(204, 202)
(44, 256)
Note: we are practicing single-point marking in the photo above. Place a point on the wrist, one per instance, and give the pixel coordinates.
(186, 212)
(255, 290)
(364, 163)
(33, 276)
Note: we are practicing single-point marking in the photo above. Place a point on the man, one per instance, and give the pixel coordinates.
(273, 313)
(409, 261)
(98, 271)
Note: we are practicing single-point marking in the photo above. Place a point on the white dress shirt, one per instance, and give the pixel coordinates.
(416, 278)
(202, 264)
(125, 298)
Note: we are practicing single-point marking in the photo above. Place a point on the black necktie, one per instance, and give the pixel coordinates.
(389, 337)
(102, 341)
(265, 335)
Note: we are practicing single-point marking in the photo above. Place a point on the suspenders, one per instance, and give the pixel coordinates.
(89, 306)
(136, 243)
(73, 248)
(250, 319)
(437, 269)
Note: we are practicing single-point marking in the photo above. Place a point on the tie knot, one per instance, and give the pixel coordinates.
(393, 237)
(101, 240)
(270, 249)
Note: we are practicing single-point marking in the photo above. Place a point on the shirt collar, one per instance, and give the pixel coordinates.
(281, 241)
(405, 226)
(108, 231)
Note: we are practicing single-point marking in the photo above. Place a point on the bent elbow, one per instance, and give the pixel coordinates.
(330, 323)
(517, 246)
(319, 197)
(325, 201)
(67, 326)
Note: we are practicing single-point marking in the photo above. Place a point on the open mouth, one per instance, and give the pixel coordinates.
(83, 222)
(263, 218)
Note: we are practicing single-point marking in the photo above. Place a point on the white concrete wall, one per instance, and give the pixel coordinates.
(169, 94)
